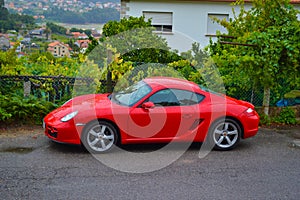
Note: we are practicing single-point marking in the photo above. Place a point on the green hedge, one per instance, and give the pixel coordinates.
(19, 110)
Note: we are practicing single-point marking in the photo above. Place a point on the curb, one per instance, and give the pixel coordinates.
(296, 143)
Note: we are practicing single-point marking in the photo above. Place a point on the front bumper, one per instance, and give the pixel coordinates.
(250, 125)
(63, 132)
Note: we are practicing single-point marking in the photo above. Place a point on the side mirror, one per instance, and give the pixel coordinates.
(148, 105)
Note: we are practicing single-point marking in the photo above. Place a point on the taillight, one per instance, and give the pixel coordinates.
(250, 112)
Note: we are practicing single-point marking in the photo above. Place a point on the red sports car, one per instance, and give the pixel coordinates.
(154, 110)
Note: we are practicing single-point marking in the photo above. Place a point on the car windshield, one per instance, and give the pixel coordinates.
(132, 94)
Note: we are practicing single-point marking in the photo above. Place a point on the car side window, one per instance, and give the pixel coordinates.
(187, 98)
(175, 97)
(164, 97)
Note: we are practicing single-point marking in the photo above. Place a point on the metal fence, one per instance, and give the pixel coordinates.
(58, 88)
(49, 88)
(256, 94)
(253, 96)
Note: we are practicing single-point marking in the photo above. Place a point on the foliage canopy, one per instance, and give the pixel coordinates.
(263, 47)
(13, 21)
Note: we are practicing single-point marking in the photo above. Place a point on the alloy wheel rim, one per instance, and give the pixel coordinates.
(100, 138)
(225, 135)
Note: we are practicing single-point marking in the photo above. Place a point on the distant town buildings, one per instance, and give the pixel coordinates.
(37, 33)
(67, 5)
(59, 49)
(4, 42)
(95, 34)
(78, 35)
(31, 41)
(83, 44)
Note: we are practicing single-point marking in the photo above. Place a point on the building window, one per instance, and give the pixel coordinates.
(213, 27)
(162, 21)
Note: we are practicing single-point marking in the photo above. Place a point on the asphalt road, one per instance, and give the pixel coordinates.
(264, 167)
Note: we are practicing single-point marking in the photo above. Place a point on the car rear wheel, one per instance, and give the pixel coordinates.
(225, 134)
(99, 137)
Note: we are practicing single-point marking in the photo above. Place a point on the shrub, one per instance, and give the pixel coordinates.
(264, 120)
(18, 110)
(286, 116)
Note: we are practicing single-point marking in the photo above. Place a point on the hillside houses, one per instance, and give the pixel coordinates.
(78, 35)
(59, 49)
(4, 42)
(67, 5)
(38, 33)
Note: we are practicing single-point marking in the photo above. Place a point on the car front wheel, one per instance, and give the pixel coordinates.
(225, 134)
(99, 137)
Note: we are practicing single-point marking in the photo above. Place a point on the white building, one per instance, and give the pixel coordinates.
(183, 22)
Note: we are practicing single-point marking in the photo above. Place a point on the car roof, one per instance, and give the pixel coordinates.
(168, 82)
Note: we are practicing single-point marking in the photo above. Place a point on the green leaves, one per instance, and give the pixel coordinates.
(43, 64)
(114, 27)
(16, 109)
(272, 29)
(286, 116)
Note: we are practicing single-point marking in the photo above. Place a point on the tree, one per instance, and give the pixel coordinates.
(86, 31)
(3, 11)
(47, 32)
(92, 45)
(133, 37)
(56, 28)
(126, 47)
(114, 27)
(93, 16)
(262, 46)
(13, 21)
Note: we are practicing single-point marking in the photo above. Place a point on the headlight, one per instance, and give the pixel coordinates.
(69, 116)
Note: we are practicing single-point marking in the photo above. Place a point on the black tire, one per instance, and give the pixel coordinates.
(99, 137)
(225, 134)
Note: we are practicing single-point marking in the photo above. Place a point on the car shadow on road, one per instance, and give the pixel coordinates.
(195, 146)
(67, 148)
(140, 148)
(135, 148)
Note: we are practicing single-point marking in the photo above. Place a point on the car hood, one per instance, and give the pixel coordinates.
(82, 103)
(89, 99)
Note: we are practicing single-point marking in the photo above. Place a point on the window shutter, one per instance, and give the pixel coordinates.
(159, 18)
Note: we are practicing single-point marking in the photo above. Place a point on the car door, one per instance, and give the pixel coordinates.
(173, 115)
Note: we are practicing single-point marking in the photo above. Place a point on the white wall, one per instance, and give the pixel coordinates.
(189, 19)
(297, 6)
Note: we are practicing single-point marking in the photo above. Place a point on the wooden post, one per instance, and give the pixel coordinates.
(27, 88)
(266, 101)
